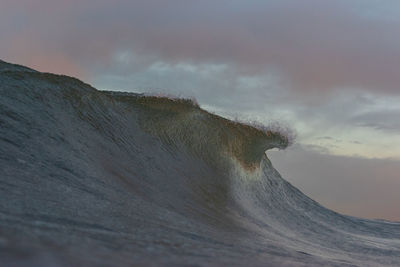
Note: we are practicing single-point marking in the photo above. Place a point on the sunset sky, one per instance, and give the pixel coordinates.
(330, 70)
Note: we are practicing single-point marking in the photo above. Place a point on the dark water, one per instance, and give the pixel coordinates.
(91, 178)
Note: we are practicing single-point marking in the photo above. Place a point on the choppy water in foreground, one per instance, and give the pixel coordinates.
(96, 178)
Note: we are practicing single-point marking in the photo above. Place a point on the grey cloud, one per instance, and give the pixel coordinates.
(384, 120)
(357, 142)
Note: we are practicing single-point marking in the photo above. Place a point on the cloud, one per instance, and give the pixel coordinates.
(383, 120)
(314, 46)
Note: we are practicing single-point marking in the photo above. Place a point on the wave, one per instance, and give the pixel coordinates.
(90, 177)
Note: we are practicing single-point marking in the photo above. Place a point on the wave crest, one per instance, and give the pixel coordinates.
(178, 121)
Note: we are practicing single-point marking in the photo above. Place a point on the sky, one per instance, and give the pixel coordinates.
(327, 69)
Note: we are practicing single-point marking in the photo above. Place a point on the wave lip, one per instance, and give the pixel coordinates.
(202, 132)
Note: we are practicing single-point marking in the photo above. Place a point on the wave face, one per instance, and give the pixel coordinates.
(90, 177)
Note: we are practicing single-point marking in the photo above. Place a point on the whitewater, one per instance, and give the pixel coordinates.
(98, 178)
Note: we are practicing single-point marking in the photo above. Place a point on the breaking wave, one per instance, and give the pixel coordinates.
(92, 177)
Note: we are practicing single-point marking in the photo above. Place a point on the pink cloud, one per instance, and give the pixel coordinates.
(316, 46)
